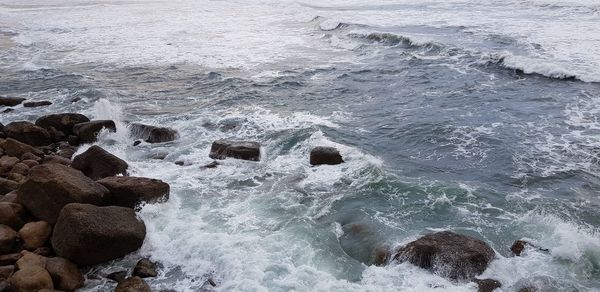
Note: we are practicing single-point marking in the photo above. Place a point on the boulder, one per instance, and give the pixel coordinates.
(28, 133)
(31, 279)
(6, 272)
(7, 163)
(325, 155)
(37, 103)
(487, 285)
(35, 234)
(10, 101)
(29, 259)
(7, 185)
(448, 254)
(9, 259)
(52, 186)
(152, 134)
(61, 122)
(8, 238)
(13, 215)
(65, 274)
(90, 235)
(144, 269)
(128, 191)
(133, 284)
(98, 163)
(245, 150)
(15, 148)
(88, 131)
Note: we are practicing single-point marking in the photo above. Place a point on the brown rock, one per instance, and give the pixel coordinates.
(7, 163)
(15, 148)
(16, 177)
(20, 168)
(9, 259)
(97, 163)
(52, 186)
(13, 215)
(31, 156)
(44, 251)
(56, 159)
(487, 285)
(30, 163)
(29, 259)
(35, 234)
(10, 101)
(152, 134)
(245, 150)
(7, 185)
(518, 247)
(8, 238)
(37, 103)
(88, 131)
(128, 191)
(448, 254)
(65, 274)
(325, 155)
(28, 133)
(145, 269)
(89, 235)
(31, 279)
(62, 122)
(117, 276)
(6, 271)
(133, 284)
(10, 198)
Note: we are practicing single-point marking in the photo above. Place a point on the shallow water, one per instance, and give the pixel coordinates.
(480, 118)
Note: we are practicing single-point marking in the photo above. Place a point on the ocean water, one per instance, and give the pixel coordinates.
(481, 117)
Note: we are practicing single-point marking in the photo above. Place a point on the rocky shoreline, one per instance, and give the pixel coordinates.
(62, 213)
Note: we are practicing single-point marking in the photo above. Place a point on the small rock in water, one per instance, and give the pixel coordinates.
(117, 276)
(448, 254)
(88, 131)
(129, 191)
(245, 150)
(180, 162)
(152, 134)
(133, 284)
(519, 245)
(325, 155)
(98, 163)
(213, 164)
(138, 142)
(145, 269)
(10, 101)
(8, 110)
(37, 103)
(487, 285)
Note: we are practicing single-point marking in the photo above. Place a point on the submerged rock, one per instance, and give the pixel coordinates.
(28, 133)
(52, 186)
(62, 122)
(133, 284)
(88, 131)
(520, 245)
(90, 235)
(152, 134)
(37, 103)
(487, 285)
(145, 269)
(10, 101)
(128, 191)
(325, 155)
(117, 276)
(98, 163)
(245, 150)
(448, 254)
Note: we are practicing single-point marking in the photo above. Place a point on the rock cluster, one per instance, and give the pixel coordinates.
(59, 215)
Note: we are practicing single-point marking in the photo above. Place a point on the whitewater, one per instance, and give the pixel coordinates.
(480, 117)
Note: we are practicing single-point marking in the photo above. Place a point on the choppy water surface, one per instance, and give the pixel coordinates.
(474, 116)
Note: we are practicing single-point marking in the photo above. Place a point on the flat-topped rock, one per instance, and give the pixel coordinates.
(90, 235)
(16, 148)
(128, 191)
(37, 103)
(62, 122)
(98, 163)
(325, 155)
(88, 131)
(152, 134)
(245, 150)
(28, 133)
(10, 101)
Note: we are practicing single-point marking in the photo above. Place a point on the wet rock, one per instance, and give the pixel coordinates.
(52, 186)
(65, 274)
(31, 279)
(180, 162)
(13, 215)
(8, 110)
(15, 148)
(90, 235)
(8, 238)
(381, 255)
(28, 133)
(6, 272)
(129, 191)
(66, 151)
(98, 163)
(7, 163)
(137, 142)
(88, 131)
(7, 185)
(325, 155)
(487, 285)
(9, 259)
(10, 101)
(145, 269)
(448, 254)
(133, 284)
(520, 245)
(152, 134)
(213, 164)
(62, 122)
(117, 276)
(245, 150)
(37, 103)
(35, 234)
